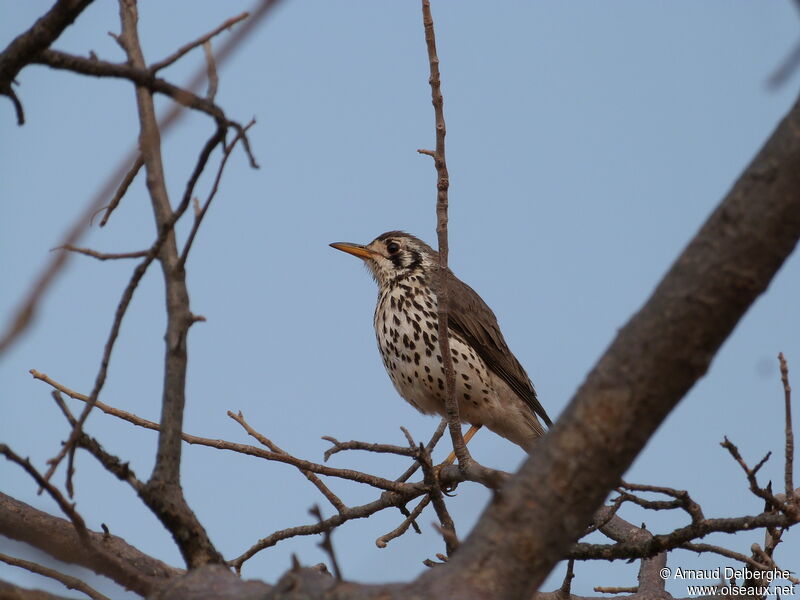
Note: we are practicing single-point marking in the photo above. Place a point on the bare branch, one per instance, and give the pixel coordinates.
(103, 255)
(326, 544)
(139, 75)
(368, 446)
(112, 464)
(122, 189)
(654, 360)
(71, 583)
(186, 48)
(27, 307)
(132, 569)
(411, 518)
(751, 473)
(437, 435)
(27, 45)
(213, 79)
(66, 507)
(682, 499)
(324, 489)
(650, 545)
(786, 69)
(442, 295)
(164, 232)
(791, 498)
(240, 136)
(163, 493)
(566, 585)
(110, 561)
(448, 527)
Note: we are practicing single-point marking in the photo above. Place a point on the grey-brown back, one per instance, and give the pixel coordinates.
(471, 318)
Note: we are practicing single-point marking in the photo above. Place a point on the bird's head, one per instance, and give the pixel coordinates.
(393, 255)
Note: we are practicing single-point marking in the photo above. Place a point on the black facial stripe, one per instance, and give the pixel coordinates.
(416, 260)
(397, 260)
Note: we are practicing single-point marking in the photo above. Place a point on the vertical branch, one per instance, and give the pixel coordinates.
(163, 493)
(789, 462)
(442, 185)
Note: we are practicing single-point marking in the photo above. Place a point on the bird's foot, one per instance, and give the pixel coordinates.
(447, 488)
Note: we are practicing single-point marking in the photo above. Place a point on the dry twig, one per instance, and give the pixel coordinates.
(27, 307)
(103, 255)
(442, 185)
(71, 583)
(326, 544)
(791, 498)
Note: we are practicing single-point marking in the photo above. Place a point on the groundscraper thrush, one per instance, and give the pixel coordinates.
(492, 388)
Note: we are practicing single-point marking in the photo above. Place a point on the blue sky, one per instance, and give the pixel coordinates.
(587, 142)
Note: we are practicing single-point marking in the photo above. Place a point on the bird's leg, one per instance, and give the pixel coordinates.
(473, 429)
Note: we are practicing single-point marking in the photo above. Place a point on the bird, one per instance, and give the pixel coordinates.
(491, 386)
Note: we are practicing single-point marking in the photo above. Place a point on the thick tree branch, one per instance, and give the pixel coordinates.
(57, 537)
(655, 359)
(24, 47)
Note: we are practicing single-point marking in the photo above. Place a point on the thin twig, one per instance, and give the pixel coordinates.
(695, 547)
(682, 499)
(282, 457)
(368, 446)
(112, 464)
(316, 481)
(186, 48)
(566, 585)
(616, 590)
(127, 295)
(437, 435)
(410, 519)
(786, 69)
(71, 583)
(122, 189)
(17, 55)
(66, 507)
(211, 67)
(103, 255)
(789, 461)
(751, 473)
(326, 544)
(240, 135)
(442, 185)
(26, 308)
(448, 527)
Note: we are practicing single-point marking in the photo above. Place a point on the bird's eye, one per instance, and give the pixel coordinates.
(392, 247)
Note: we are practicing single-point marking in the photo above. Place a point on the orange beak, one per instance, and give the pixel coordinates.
(354, 249)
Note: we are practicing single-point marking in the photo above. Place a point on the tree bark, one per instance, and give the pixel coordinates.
(654, 361)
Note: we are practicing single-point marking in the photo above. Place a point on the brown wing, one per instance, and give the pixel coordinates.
(471, 318)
